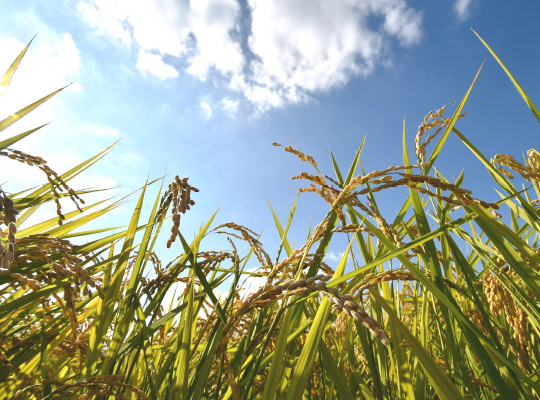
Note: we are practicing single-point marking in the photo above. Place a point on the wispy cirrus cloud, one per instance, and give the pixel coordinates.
(333, 256)
(270, 53)
(230, 106)
(153, 64)
(206, 108)
(463, 8)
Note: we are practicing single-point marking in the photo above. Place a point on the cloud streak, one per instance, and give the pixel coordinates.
(206, 109)
(270, 53)
(153, 64)
(462, 8)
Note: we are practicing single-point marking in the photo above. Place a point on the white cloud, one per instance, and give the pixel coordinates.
(403, 22)
(334, 257)
(161, 25)
(206, 109)
(199, 31)
(230, 106)
(107, 17)
(462, 8)
(153, 64)
(305, 47)
(101, 131)
(293, 49)
(211, 23)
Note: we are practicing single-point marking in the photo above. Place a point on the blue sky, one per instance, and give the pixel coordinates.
(203, 89)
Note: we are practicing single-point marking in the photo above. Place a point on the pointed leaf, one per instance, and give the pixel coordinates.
(6, 78)
(6, 122)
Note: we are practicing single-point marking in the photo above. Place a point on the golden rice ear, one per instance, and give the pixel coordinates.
(534, 159)
(179, 194)
(8, 209)
(57, 184)
(529, 172)
(431, 120)
(250, 237)
(301, 155)
(8, 218)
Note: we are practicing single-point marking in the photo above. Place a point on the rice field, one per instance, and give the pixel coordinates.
(441, 301)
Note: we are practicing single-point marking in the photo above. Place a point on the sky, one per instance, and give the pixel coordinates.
(203, 88)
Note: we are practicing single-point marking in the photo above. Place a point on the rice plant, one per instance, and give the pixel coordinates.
(439, 302)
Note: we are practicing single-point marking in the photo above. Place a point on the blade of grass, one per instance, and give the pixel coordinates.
(12, 140)
(521, 91)
(8, 121)
(304, 365)
(6, 78)
(111, 294)
(440, 381)
(450, 125)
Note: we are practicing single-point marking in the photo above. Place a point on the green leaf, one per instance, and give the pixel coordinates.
(440, 381)
(450, 125)
(6, 78)
(8, 121)
(518, 87)
(12, 140)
